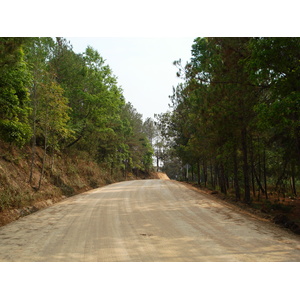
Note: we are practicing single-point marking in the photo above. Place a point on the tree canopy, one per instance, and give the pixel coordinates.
(235, 116)
(60, 100)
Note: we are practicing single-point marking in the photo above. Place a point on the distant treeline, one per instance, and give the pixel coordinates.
(235, 119)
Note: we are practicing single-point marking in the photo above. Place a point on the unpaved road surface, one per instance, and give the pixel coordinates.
(149, 220)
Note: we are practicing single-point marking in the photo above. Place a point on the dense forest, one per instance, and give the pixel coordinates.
(64, 103)
(234, 122)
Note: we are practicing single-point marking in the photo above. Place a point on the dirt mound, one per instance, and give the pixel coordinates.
(162, 176)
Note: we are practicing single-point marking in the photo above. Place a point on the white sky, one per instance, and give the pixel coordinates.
(144, 67)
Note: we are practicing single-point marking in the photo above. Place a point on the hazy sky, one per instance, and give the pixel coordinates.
(144, 67)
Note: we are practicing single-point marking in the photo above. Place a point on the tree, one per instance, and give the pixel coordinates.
(139, 148)
(14, 97)
(53, 119)
(149, 130)
(236, 114)
(214, 111)
(274, 67)
(38, 52)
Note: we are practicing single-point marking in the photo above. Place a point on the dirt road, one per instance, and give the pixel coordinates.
(149, 220)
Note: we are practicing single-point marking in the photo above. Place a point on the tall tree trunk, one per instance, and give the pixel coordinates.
(211, 175)
(294, 191)
(252, 172)
(216, 179)
(280, 178)
(258, 182)
(265, 174)
(247, 197)
(198, 172)
(205, 173)
(227, 180)
(187, 173)
(236, 177)
(222, 180)
(259, 173)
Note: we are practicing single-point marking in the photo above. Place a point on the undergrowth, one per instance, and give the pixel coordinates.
(65, 174)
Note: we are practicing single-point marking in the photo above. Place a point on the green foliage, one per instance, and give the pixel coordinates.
(63, 100)
(14, 96)
(236, 115)
(53, 114)
(139, 151)
(13, 131)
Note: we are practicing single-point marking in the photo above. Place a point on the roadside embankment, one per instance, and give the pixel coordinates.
(65, 175)
(284, 216)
